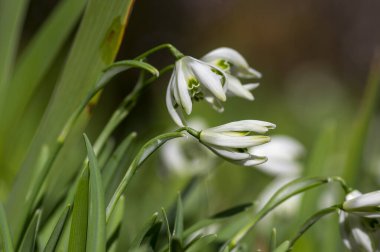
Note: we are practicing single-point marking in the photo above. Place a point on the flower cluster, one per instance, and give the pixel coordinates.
(213, 78)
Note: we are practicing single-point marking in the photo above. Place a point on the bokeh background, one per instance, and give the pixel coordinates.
(314, 55)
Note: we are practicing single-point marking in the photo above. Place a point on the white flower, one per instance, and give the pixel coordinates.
(235, 66)
(232, 140)
(283, 153)
(194, 80)
(359, 233)
(184, 156)
(366, 205)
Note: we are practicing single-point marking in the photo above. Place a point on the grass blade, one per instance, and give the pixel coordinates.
(39, 56)
(12, 14)
(5, 234)
(94, 48)
(117, 156)
(115, 220)
(201, 242)
(136, 243)
(29, 241)
(58, 229)
(176, 241)
(78, 230)
(148, 149)
(359, 132)
(96, 230)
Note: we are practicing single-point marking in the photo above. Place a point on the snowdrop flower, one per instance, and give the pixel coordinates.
(235, 66)
(366, 205)
(184, 156)
(194, 80)
(231, 141)
(359, 233)
(283, 153)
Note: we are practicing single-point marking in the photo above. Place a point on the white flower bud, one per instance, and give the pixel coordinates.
(232, 140)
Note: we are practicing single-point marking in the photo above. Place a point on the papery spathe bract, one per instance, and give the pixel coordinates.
(367, 205)
(232, 140)
(194, 80)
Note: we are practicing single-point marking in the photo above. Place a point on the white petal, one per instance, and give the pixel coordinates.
(223, 140)
(208, 79)
(248, 73)
(236, 88)
(182, 81)
(227, 54)
(255, 160)
(251, 86)
(215, 103)
(245, 125)
(230, 154)
(366, 200)
(176, 116)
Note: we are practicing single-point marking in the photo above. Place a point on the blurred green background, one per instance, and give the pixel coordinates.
(314, 56)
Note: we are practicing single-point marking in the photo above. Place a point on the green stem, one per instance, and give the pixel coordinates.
(176, 53)
(146, 150)
(311, 221)
(271, 204)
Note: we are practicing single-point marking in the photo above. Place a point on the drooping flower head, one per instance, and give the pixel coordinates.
(235, 66)
(366, 205)
(232, 141)
(194, 80)
(359, 233)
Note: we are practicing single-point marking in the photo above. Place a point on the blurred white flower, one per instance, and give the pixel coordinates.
(359, 233)
(232, 141)
(194, 80)
(283, 153)
(185, 157)
(366, 205)
(235, 66)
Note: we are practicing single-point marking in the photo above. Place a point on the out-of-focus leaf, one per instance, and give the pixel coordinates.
(368, 107)
(116, 218)
(199, 243)
(147, 150)
(273, 240)
(58, 229)
(114, 161)
(284, 247)
(12, 14)
(166, 222)
(5, 234)
(78, 230)
(144, 231)
(96, 230)
(29, 240)
(106, 153)
(94, 48)
(39, 55)
(177, 239)
(232, 211)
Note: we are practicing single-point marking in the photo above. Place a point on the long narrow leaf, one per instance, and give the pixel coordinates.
(96, 230)
(5, 234)
(39, 55)
(94, 48)
(78, 230)
(12, 14)
(29, 240)
(57, 232)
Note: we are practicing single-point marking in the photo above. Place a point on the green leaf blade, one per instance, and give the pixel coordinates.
(78, 230)
(5, 233)
(96, 230)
